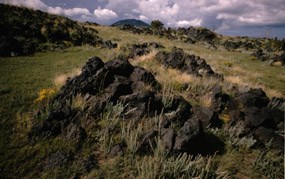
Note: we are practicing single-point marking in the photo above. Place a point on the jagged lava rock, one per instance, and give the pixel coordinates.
(190, 64)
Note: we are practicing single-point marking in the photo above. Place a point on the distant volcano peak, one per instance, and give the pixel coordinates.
(133, 22)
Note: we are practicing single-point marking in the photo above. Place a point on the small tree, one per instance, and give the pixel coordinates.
(156, 24)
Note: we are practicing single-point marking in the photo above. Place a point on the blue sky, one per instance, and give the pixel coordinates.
(230, 17)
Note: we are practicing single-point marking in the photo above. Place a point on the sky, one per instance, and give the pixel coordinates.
(258, 18)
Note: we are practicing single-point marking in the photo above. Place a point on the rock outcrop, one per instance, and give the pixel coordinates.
(253, 111)
(190, 64)
(182, 126)
(113, 82)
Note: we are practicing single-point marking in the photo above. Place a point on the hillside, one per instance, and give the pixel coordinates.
(149, 107)
(131, 22)
(25, 31)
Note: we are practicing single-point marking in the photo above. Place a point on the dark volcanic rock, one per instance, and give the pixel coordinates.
(188, 135)
(148, 139)
(255, 117)
(230, 45)
(190, 64)
(109, 44)
(201, 34)
(83, 83)
(252, 98)
(218, 99)
(117, 150)
(57, 159)
(88, 163)
(168, 136)
(266, 135)
(207, 117)
(75, 132)
(101, 84)
(258, 116)
(181, 108)
(9, 47)
(116, 81)
(134, 50)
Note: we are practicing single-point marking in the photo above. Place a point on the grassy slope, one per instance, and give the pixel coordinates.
(22, 77)
(234, 64)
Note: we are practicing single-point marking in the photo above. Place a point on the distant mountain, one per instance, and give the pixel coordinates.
(133, 22)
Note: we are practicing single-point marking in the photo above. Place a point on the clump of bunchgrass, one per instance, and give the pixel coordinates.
(270, 164)
(232, 136)
(162, 165)
(110, 122)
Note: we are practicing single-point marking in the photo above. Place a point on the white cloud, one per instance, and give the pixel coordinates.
(143, 18)
(39, 5)
(185, 23)
(76, 11)
(159, 9)
(68, 12)
(34, 4)
(105, 14)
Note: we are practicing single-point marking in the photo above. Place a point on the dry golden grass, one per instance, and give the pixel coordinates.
(277, 64)
(272, 92)
(244, 82)
(144, 58)
(206, 101)
(180, 82)
(236, 80)
(173, 76)
(166, 76)
(78, 102)
(60, 80)
(245, 73)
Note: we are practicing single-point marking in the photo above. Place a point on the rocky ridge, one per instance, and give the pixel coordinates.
(264, 49)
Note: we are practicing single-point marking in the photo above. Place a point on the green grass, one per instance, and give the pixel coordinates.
(21, 78)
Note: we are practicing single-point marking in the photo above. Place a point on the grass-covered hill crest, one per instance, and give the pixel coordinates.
(24, 31)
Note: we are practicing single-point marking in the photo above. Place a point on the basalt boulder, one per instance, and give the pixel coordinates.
(252, 98)
(260, 117)
(135, 50)
(190, 64)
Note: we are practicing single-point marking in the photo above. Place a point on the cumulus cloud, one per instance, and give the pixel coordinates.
(185, 23)
(105, 14)
(68, 12)
(34, 4)
(39, 5)
(209, 13)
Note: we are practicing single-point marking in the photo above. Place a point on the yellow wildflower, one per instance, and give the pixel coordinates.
(44, 95)
(225, 118)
